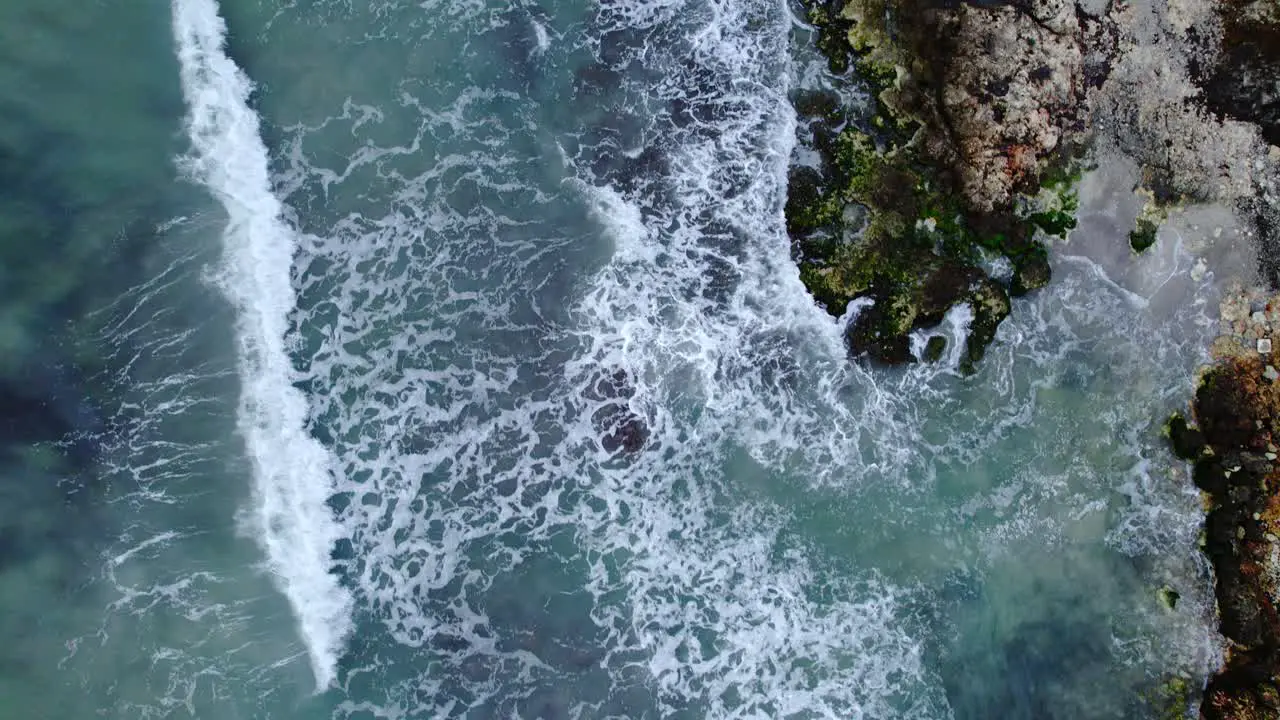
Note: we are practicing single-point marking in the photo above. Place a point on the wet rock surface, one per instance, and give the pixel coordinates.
(1241, 79)
(913, 197)
(1233, 444)
(1007, 94)
(980, 113)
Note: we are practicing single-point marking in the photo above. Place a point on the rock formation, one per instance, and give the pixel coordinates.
(1233, 444)
(973, 112)
(980, 112)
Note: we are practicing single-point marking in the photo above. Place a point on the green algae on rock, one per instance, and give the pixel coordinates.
(1169, 597)
(934, 348)
(1172, 699)
(1146, 228)
(1143, 235)
(1185, 439)
(893, 213)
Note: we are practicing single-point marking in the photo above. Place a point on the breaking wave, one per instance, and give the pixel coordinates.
(292, 472)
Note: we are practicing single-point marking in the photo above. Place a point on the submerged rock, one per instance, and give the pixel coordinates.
(621, 429)
(1172, 698)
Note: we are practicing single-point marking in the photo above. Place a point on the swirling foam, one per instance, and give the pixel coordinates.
(463, 338)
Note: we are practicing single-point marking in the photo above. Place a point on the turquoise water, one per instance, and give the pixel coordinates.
(320, 347)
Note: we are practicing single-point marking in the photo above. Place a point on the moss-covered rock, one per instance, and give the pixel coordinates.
(1147, 226)
(1186, 441)
(880, 230)
(1172, 699)
(881, 330)
(889, 214)
(1143, 235)
(934, 348)
(991, 306)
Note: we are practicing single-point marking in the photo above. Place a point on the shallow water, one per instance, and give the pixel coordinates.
(316, 386)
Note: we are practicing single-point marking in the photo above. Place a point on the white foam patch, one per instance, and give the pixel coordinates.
(540, 34)
(702, 307)
(292, 473)
(469, 436)
(954, 329)
(465, 406)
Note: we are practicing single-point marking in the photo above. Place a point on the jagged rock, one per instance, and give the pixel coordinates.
(1009, 84)
(972, 104)
(1188, 442)
(1238, 414)
(1241, 80)
(1143, 236)
(1149, 109)
(881, 331)
(934, 349)
(1030, 273)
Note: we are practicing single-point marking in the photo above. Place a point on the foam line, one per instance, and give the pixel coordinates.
(292, 473)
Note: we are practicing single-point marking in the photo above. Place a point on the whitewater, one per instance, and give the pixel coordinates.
(293, 474)
(467, 373)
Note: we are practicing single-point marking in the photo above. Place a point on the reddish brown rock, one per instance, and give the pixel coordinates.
(1237, 409)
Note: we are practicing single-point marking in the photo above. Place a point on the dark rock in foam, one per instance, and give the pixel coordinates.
(621, 429)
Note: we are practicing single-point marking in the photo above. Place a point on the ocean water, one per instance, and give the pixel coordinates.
(445, 359)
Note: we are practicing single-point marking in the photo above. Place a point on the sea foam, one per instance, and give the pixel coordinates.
(292, 473)
(467, 355)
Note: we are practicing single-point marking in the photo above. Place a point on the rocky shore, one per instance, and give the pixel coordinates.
(932, 196)
(949, 182)
(1233, 441)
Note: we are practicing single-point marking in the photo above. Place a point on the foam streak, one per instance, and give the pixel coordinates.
(292, 472)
